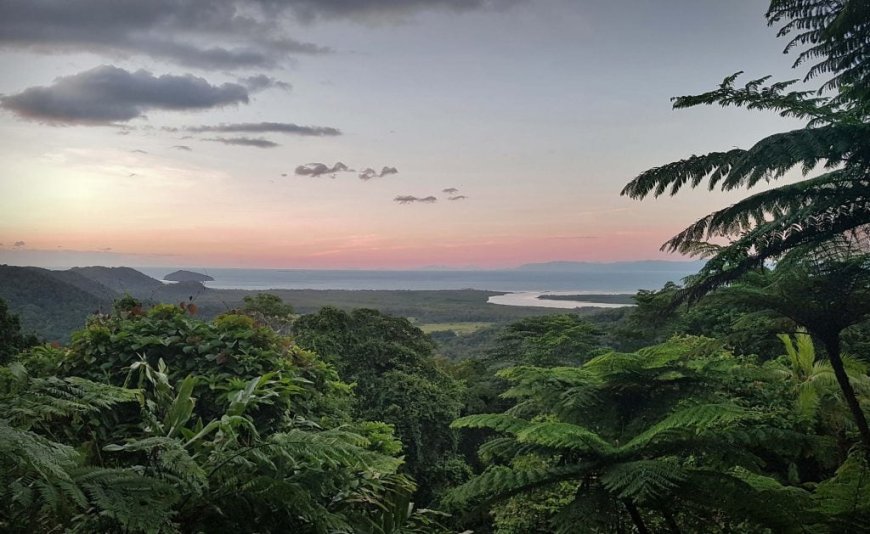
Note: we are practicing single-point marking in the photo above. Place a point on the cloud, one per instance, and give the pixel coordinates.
(244, 141)
(182, 147)
(450, 190)
(370, 173)
(108, 94)
(409, 199)
(19, 244)
(457, 197)
(270, 127)
(139, 151)
(262, 82)
(179, 31)
(250, 33)
(320, 169)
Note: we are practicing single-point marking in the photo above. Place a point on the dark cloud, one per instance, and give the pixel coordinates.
(182, 147)
(244, 141)
(108, 94)
(457, 197)
(450, 190)
(251, 33)
(139, 151)
(19, 244)
(370, 173)
(270, 127)
(409, 199)
(262, 82)
(320, 169)
(180, 31)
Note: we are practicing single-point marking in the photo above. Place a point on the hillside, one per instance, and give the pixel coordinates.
(121, 280)
(51, 304)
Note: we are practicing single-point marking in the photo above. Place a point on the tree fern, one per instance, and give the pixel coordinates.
(643, 480)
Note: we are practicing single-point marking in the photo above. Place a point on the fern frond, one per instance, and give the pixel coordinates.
(499, 422)
(644, 480)
(502, 482)
(690, 422)
(565, 436)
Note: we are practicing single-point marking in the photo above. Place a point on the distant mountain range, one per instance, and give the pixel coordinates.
(687, 267)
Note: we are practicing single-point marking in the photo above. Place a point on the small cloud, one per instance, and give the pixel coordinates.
(268, 127)
(106, 249)
(262, 82)
(182, 147)
(410, 199)
(244, 141)
(450, 190)
(370, 173)
(139, 151)
(132, 174)
(108, 95)
(457, 197)
(283, 174)
(19, 244)
(320, 169)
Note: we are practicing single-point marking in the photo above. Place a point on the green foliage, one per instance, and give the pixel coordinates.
(769, 224)
(12, 340)
(678, 431)
(833, 32)
(396, 381)
(563, 339)
(269, 310)
(154, 449)
(224, 354)
(741, 327)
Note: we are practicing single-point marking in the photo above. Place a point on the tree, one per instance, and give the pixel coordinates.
(253, 441)
(797, 218)
(12, 341)
(668, 438)
(836, 136)
(551, 340)
(818, 395)
(825, 289)
(270, 310)
(391, 364)
(835, 34)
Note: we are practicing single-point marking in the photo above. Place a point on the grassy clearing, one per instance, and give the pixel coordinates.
(457, 328)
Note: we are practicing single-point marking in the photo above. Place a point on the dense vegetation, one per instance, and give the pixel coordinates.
(734, 402)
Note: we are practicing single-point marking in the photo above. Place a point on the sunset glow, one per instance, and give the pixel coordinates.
(533, 119)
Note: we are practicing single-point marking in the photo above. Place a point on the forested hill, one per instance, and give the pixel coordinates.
(52, 303)
(120, 279)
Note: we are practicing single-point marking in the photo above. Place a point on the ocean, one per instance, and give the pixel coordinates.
(594, 278)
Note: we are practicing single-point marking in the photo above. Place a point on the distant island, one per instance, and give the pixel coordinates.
(188, 276)
(597, 298)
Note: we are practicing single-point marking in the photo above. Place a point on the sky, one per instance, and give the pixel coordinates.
(362, 133)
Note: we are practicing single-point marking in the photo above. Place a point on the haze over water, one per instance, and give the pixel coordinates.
(601, 278)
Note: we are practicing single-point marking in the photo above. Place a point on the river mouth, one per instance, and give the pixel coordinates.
(530, 299)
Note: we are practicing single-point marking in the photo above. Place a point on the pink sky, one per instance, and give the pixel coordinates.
(538, 113)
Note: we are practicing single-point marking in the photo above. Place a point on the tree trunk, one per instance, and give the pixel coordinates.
(832, 346)
(635, 517)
